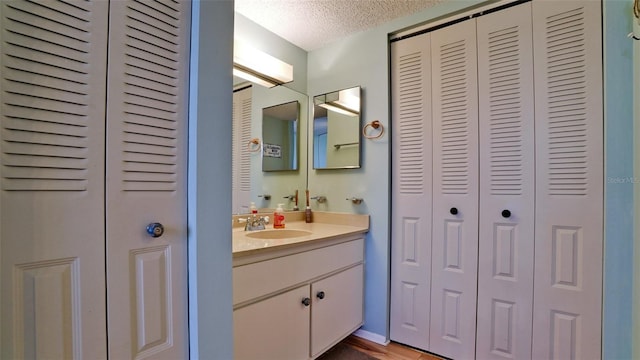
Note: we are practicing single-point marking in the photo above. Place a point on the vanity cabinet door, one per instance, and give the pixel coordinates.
(276, 328)
(337, 308)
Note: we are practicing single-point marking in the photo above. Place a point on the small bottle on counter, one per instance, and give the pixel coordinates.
(278, 217)
(308, 216)
(253, 208)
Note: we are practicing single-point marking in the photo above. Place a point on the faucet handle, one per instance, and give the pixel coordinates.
(265, 219)
(321, 199)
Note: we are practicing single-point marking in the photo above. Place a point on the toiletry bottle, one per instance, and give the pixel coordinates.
(253, 208)
(308, 216)
(278, 217)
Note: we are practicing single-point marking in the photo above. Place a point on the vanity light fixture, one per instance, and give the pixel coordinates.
(258, 67)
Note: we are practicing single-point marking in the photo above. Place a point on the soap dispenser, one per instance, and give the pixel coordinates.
(278, 217)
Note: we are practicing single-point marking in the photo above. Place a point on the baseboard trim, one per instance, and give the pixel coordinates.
(368, 335)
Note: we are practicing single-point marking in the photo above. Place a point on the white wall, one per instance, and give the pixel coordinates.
(619, 184)
(636, 131)
(209, 203)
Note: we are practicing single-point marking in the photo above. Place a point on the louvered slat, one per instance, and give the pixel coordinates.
(567, 119)
(454, 133)
(151, 96)
(245, 136)
(46, 101)
(505, 112)
(410, 121)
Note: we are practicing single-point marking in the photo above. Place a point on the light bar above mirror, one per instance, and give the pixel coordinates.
(259, 67)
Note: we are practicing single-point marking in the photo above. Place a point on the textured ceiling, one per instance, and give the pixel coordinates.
(312, 24)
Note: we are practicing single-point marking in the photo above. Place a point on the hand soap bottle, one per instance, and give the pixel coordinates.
(253, 208)
(278, 217)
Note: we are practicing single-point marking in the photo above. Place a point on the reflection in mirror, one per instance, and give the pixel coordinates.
(250, 182)
(280, 137)
(336, 129)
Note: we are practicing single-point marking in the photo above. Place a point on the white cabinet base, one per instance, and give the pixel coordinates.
(271, 322)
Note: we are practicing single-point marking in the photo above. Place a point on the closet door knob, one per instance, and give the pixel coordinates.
(453, 211)
(320, 295)
(306, 301)
(155, 230)
(506, 214)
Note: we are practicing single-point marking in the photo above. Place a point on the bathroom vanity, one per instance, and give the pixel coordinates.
(298, 291)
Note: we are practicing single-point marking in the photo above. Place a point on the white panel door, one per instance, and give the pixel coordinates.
(52, 66)
(241, 152)
(411, 194)
(146, 179)
(569, 180)
(507, 172)
(455, 191)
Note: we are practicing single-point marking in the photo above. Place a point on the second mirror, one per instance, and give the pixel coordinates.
(336, 129)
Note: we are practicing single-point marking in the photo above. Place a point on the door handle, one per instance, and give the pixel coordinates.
(155, 230)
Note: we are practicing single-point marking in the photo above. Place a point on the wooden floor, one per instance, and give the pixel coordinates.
(393, 351)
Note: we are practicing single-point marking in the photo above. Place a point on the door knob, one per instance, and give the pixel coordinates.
(306, 301)
(506, 214)
(320, 295)
(155, 229)
(453, 211)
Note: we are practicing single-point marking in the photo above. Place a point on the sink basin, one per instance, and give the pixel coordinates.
(277, 234)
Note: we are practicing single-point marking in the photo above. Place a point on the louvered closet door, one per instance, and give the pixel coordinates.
(506, 238)
(411, 197)
(241, 164)
(52, 66)
(569, 180)
(146, 183)
(455, 191)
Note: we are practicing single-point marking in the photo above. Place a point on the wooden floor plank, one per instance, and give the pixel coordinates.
(393, 351)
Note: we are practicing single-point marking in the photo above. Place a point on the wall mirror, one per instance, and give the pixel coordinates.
(250, 183)
(280, 133)
(336, 129)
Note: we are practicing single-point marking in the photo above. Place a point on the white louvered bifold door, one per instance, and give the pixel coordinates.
(146, 178)
(52, 91)
(569, 180)
(241, 155)
(411, 197)
(455, 191)
(506, 238)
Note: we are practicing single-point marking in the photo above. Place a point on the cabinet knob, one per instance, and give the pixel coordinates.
(453, 211)
(306, 301)
(155, 229)
(506, 214)
(320, 295)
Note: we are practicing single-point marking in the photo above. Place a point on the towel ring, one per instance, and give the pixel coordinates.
(253, 145)
(376, 125)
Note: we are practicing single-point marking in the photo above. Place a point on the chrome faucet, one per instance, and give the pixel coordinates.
(254, 222)
(293, 198)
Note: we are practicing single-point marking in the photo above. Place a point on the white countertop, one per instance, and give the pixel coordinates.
(326, 226)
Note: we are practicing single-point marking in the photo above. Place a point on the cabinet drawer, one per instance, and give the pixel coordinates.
(262, 278)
